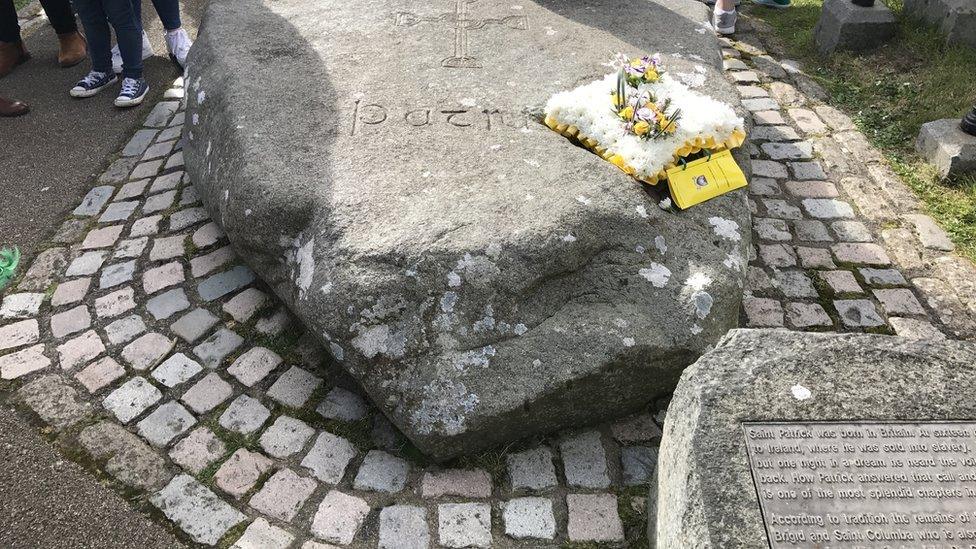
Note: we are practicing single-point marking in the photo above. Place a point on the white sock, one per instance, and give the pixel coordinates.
(721, 11)
(174, 32)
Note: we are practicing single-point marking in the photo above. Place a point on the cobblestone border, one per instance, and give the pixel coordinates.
(842, 243)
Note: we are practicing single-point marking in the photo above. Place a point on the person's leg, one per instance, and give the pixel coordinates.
(12, 50)
(177, 40)
(128, 33)
(99, 35)
(9, 29)
(137, 8)
(71, 45)
(60, 14)
(169, 13)
(724, 17)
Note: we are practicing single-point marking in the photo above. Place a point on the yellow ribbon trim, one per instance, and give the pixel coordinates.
(737, 138)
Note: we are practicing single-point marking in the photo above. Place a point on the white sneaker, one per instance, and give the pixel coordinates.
(147, 52)
(178, 43)
(724, 21)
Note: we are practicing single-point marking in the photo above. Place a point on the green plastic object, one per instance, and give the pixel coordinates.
(9, 259)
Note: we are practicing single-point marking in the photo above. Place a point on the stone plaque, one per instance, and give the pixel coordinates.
(865, 485)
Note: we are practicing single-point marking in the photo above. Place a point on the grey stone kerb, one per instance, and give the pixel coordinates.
(704, 490)
(481, 277)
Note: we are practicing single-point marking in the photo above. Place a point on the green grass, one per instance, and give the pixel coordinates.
(20, 3)
(890, 93)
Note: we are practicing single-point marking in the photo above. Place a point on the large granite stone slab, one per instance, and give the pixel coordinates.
(704, 493)
(379, 165)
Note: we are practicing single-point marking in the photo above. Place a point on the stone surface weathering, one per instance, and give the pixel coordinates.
(480, 276)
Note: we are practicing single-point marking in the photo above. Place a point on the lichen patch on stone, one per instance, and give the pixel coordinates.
(656, 274)
(725, 228)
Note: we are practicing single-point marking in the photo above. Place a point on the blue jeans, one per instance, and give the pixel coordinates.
(96, 15)
(168, 11)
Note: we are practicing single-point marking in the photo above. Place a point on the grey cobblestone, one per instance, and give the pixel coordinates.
(147, 351)
(193, 325)
(329, 457)
(294, 387)
(131, 399)
(254, 365)
(286, 436)
(115, 303)
(128, 459)
(261, 534)
(124, 329)
(468, 483)
(70, 321)
(198, 511)
(381, 472)
(54, 401)
(404, 527)
(464, 524)
(118, 211)
(241, 472)
(198, 450)
(283, 495)
(213, 349)
(585, 461)
(23, 362)
(94, 201)
(339, 517)
(529, 518)
(858, 313)
(207, 394)
(165, 423)
(532, 469)
(79, 350)
(116, 274)
(175, 370)
(70, 292)
(244, 415)
(594, 517)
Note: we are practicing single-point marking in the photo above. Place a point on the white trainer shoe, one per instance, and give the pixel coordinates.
(724, 21)
(147, 52)
(178, 43)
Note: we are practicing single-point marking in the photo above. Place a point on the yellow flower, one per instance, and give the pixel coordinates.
(642, 128)
(651, 75)
(627, 113)
(666, 125)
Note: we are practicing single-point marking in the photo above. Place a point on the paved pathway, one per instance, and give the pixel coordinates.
(840, 243)
(50, 156)
(146, 345)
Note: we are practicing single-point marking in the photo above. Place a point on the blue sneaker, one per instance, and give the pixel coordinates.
(134, 90)
(779, 4)
(92, 83)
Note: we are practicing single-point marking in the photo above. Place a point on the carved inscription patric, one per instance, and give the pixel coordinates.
(462, 23)
(365, 115)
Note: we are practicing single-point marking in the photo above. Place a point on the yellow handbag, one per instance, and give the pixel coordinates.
(703, 179)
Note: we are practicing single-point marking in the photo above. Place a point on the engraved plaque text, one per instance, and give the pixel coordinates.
(866, 485)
